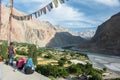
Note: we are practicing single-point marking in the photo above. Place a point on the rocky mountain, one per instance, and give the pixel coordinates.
(62, 39)
(35, 31)
(87, 34)
(107, 37)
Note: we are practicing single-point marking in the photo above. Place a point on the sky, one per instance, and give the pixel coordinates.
(75, 15)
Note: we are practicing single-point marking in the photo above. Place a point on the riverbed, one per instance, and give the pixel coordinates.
(112, 63)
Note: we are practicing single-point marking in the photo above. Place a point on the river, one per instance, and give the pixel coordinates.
(112, 63)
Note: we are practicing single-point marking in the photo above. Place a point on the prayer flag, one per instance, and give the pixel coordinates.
(44, 10)
(39, 12)
(35, 14)
(56, 3)
(51, 5)
(48, 7)
(30, 16)
(11, 3)
(62, 1)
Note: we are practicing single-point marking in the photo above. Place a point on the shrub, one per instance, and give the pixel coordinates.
(73, 69)
(96, 77)
(21, 52)
(104, 69)
(117, 79)
(49, 70)
(64, 59)
(61, 63)
(51, 77)
(49, 56)
(3, 50)
(69, 62)
(17, 58)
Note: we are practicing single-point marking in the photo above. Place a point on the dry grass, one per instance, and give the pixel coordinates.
(66, 65)
(45, 62)
(20, 56)
(40, 59)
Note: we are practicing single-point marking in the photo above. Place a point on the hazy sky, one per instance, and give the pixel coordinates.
(75, 15)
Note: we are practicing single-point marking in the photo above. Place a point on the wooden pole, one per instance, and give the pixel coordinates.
(0, 17)
(10, 20)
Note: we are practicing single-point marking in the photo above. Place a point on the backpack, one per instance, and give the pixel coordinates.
(28, 70)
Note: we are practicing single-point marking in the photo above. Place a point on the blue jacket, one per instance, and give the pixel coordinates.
(29, 63)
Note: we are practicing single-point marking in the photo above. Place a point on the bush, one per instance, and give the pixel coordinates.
(96, 77)
(49, 56)
(117, 79)
(17, 58)
(64, 59)
(104, 69)
(74, 69)
(61, 63)
(21, 52)
(51, 77)
(49, 70)
(69, 62)
(3, 50)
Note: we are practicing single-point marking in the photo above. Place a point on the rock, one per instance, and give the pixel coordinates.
(107, 36)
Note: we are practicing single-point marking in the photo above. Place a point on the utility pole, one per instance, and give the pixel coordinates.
(0, 17)
(10, 21)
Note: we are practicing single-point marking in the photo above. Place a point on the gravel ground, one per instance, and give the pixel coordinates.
(8, 73)
(0, 71)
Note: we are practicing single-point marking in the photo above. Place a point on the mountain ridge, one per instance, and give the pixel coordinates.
(106, 39)
(33, 31)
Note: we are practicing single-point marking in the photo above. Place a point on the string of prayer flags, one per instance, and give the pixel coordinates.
(55, 3)
(22, 17)
(38, 13)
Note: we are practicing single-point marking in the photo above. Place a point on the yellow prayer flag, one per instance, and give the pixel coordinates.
(56, 3)
(11, 3)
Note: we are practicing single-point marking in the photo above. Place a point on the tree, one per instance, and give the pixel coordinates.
(73, 69)
(64, 59)
(49, 56)
(88, 65)
(69, 62)
(32, 53)
(61, 63)
(96, 77)
(104, 69)
(62, 72)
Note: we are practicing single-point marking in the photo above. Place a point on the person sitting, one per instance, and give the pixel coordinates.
(20, 63)
(29, 66)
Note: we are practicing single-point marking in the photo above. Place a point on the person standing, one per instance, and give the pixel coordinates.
(11, 53)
